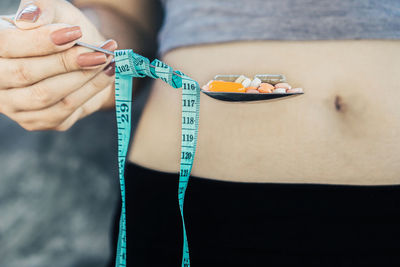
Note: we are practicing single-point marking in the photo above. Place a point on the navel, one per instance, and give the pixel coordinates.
(340, 105)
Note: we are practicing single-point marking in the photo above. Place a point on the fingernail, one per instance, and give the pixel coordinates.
(30, 13)
(66, 35)
(110, 45)
(91, 59)
(110, 69)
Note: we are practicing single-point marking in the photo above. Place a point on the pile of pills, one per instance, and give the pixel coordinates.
(245, 85)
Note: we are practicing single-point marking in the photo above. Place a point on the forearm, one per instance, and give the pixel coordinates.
(127, 31)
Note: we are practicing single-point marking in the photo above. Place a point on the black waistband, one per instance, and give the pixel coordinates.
(260, 223)
(133, 168)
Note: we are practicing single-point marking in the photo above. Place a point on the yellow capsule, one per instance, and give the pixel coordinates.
(222, 86)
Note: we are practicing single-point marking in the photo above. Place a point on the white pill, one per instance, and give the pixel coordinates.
(240, 79)
(283, 85)
(206, 87)
(279, 91)
(255, 83)
(246, 82)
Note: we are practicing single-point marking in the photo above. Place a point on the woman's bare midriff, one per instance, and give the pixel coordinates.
(345, 129)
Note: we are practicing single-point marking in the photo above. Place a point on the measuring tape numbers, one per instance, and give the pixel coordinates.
(129, 65)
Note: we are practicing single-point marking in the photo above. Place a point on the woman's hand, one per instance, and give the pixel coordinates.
(47, 83)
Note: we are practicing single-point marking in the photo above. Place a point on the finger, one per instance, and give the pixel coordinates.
(70, 121)
(92, 105)
(81, 96)
(45, 40)
(6, 21)
(45, 93)
(16, 73)
(54, 116)
(33, 14)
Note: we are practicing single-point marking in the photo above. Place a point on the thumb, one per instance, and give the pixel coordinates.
(33, 14)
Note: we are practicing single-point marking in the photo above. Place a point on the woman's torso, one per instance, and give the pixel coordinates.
(343, 130)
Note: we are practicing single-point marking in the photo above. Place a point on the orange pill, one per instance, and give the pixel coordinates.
(264, 91)
(266, 88)
(222, 86)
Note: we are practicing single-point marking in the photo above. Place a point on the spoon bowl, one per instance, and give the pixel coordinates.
(245, 97)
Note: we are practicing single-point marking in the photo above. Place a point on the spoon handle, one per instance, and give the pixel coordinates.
(95, 48)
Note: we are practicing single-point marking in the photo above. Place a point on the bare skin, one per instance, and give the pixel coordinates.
(344, 130)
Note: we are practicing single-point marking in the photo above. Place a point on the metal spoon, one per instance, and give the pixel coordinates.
(242, 97)
(95, 48)
(224, 96)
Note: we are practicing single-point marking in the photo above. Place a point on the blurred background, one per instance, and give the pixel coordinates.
(58, 191)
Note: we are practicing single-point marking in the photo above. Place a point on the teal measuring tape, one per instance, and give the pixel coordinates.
(129, 65)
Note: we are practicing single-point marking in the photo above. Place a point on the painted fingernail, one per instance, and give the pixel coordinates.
(91, 59)
(66, 35)
(30, 13)
(110, 45)
(110, 69)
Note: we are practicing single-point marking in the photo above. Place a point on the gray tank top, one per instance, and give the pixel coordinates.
(191, 22)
